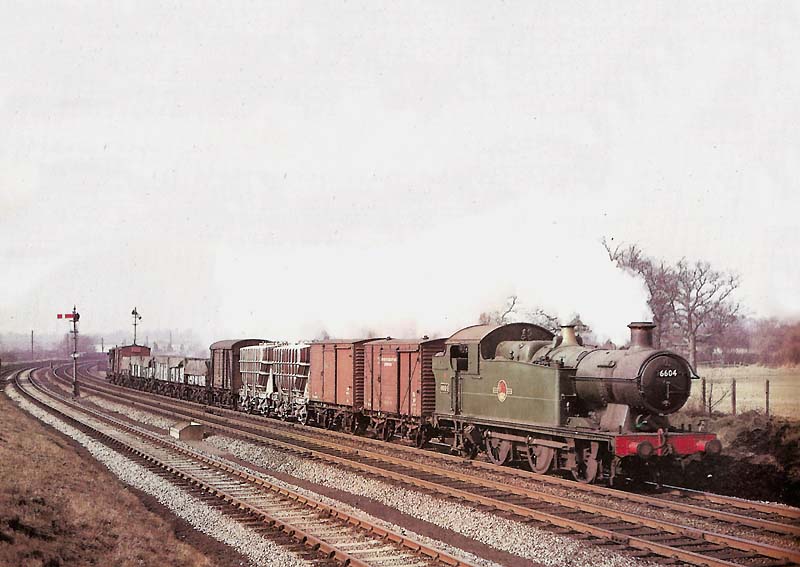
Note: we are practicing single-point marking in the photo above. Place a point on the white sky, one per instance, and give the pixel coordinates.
(274, 168)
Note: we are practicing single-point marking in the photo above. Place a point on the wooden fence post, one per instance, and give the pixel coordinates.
(733, 395)
(703, 387)
(766, 391)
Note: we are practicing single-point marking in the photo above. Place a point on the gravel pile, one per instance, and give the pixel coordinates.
(132, 413)
(261, 551)
(510, 536)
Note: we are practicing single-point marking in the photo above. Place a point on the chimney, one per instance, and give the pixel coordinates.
(641, 334)
(568, 336)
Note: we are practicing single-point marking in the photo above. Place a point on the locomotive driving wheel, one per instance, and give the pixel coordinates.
(498, 450)
(586, 462)
(465, 448)
(468, 450)
(540, 458)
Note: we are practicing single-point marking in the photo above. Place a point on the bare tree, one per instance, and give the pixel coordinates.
(701, 305)
(584, 331)
(789, 346)
(510, 312)
(543, 319)
(510, 308)
(503, 315)
(659, 279)
(692, 297)
(86, 343)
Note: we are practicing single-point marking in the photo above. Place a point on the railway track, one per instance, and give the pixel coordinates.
(774, 518)
(326, 535)
(642, 536)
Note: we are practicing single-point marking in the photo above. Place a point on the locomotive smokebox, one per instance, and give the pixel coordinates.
(641, 334)
(641, 377)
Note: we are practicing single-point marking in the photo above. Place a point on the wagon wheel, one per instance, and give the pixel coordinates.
(350, 424)
(540, 458)
(498, 450)
(331, 423)
(422, 436)
(586, 463)
(302, 416)
(386, 430)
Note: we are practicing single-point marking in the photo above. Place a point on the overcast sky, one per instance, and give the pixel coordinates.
(273, 169)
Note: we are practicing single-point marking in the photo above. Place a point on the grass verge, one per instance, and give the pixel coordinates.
(58, 506)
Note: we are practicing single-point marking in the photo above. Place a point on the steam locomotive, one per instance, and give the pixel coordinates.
(515, 392)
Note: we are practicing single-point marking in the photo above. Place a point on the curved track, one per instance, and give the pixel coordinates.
(774, 518)
(643, 536)
(327, 534)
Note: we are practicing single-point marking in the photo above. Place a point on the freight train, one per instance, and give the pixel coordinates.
(515, 392)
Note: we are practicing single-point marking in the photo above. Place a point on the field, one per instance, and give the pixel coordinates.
(761, 455)
(784, 385)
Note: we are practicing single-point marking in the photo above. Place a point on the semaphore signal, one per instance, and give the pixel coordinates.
(136, 319)
(74, 317)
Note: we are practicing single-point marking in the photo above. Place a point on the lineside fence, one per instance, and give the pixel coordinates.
(727, 392)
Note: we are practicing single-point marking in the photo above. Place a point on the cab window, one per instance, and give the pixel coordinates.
(459, 357)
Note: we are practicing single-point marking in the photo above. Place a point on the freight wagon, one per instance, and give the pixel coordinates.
(399, 386)
(514, 392)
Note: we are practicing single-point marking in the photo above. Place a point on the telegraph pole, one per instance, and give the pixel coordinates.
(75, 318)
(31, 344)
(136, 319)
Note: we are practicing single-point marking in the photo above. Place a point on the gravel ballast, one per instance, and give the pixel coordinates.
(213, 523)
(131, 413)
(513, 537)
(620, 504)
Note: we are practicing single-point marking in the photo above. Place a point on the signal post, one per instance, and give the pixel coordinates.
(75, 317)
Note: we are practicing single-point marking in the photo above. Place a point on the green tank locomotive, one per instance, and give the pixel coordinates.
(517, 392)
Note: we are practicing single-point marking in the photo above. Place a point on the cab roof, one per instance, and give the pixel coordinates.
(489, 336)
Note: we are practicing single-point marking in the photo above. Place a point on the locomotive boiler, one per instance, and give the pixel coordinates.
(517, 392)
